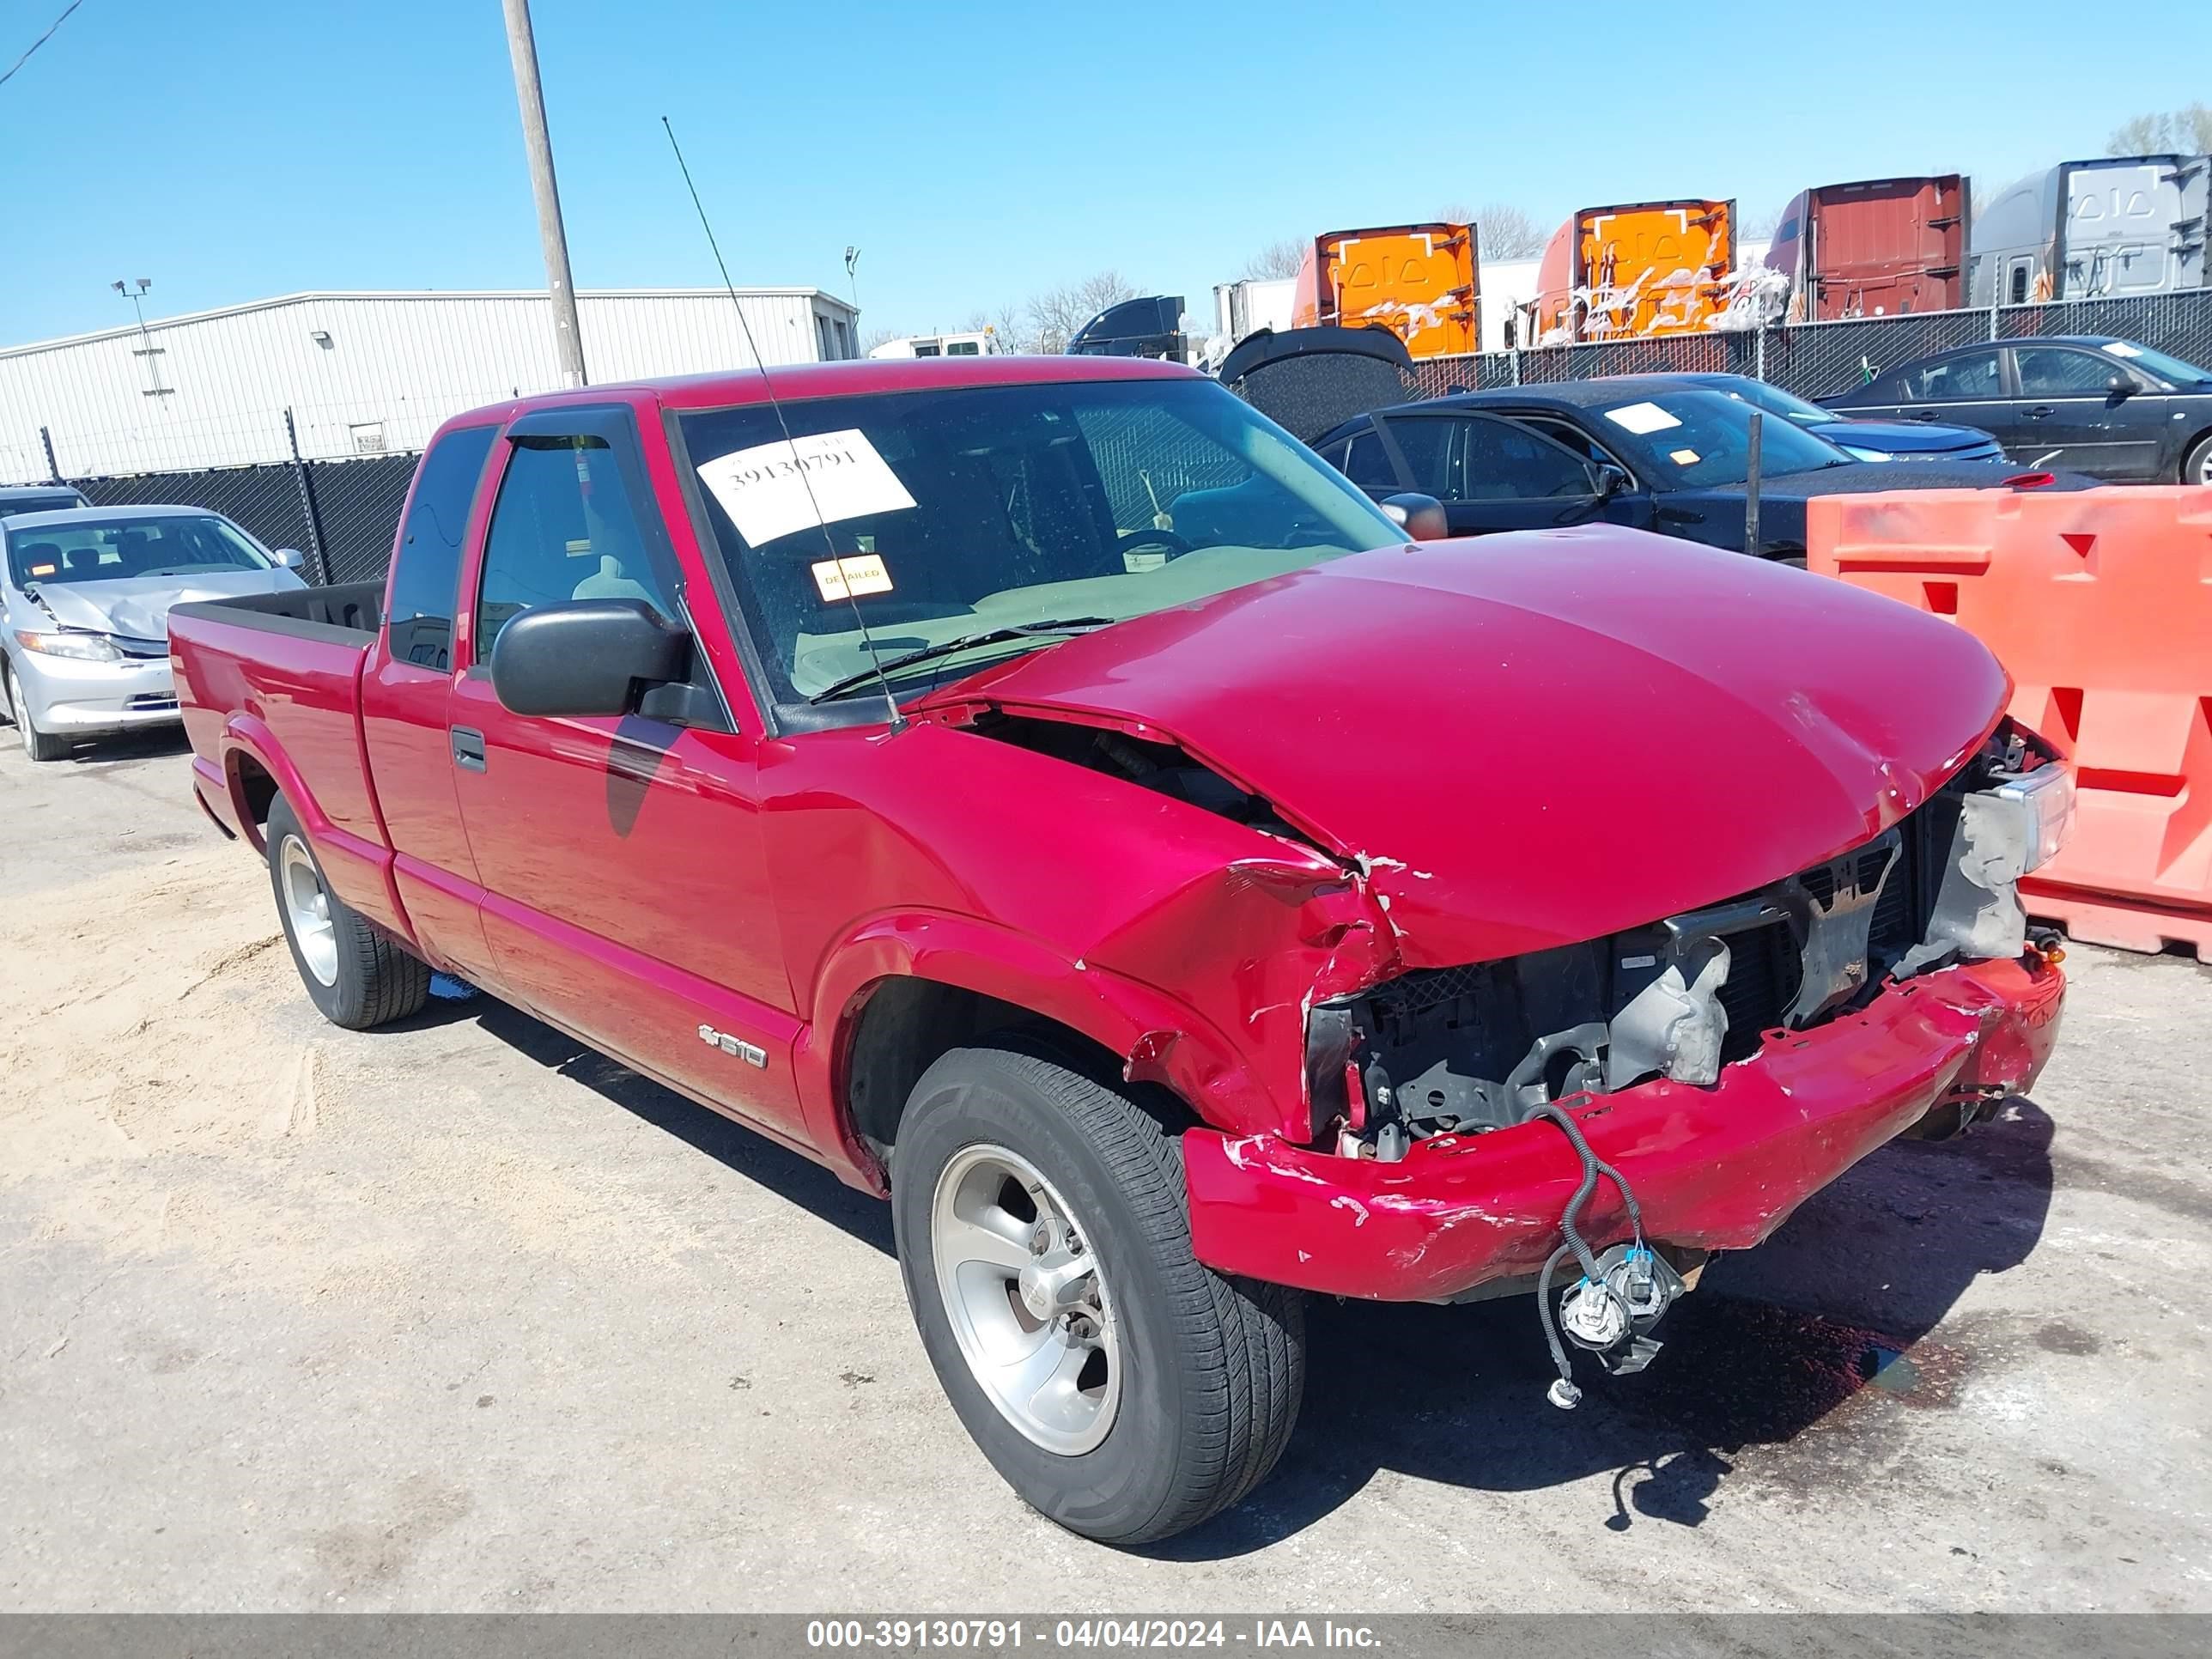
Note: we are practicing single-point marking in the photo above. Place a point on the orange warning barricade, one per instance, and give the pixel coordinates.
(2100, 604)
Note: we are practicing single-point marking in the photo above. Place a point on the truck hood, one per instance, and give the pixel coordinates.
(138, 607)
(1539, 738)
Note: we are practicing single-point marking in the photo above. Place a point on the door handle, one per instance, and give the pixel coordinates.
(468, 749)
(2038, 412)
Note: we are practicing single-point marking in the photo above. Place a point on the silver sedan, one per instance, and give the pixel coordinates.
(84, 612)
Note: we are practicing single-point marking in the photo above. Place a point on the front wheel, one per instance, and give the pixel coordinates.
(38, 746)
(356, 975)
(2197, 468)
(1122, 1389)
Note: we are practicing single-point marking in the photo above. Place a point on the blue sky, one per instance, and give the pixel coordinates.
(237, 148)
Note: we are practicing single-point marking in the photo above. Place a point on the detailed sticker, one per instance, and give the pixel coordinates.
(852, 577)
(1641, 417)
(1683, 457)
(773, 489)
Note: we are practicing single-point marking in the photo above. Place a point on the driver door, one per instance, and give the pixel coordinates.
(625, 885)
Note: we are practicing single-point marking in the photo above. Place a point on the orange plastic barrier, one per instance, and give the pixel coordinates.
(2099, 603)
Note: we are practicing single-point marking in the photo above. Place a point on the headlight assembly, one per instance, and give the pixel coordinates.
(85, 648)
(2046, 795)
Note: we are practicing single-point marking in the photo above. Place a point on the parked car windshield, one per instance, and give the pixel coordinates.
(956, 511)
(1692, 440)
(120, 548)
(1788, 405)
(2172, 369)
(10, 505)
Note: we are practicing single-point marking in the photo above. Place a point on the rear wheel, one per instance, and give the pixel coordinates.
(355, 975)
(38, 746)
(2197, 468)
(1121, 1388)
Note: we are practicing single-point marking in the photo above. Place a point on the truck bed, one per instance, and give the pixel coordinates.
(352, 610)
(270, 688)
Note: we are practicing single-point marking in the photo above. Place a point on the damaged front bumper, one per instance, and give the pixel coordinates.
(1716, 1168)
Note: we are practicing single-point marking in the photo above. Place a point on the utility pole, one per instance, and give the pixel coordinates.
(522, 47)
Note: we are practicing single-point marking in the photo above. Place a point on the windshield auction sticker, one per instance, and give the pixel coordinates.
(773, 489)
(1641, 417)
(852, 577)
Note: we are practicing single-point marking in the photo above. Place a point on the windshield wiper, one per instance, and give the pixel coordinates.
(961, 642)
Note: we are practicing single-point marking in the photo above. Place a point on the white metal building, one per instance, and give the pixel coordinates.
(363, 374)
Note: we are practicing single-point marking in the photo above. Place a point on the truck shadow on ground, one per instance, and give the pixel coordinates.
(1800, 1363)
(753, 1156)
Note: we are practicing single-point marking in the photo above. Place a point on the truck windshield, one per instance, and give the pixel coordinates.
(1697, 439)
(122, 548)
(976, 511)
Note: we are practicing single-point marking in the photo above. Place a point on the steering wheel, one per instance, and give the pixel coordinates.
(1150, 537)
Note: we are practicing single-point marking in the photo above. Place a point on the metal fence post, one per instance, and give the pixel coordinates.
(53, 466)
(1516, 355)
(318, 563)
(1759, 353)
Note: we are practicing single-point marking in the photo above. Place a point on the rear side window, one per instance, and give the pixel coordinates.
(1954, 380)
(564, 528)
(428, 565)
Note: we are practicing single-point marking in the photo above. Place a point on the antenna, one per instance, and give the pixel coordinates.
(767, 384)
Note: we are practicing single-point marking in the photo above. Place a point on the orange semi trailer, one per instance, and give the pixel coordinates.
(1611, 273)
(1417, 280)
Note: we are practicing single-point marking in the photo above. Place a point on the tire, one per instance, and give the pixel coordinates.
(1203, 1373)
(2197, 465)
(355, 974)
(38, 746)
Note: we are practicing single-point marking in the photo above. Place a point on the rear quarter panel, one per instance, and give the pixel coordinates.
(291, 703)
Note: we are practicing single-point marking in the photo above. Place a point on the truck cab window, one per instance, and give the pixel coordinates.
(427, 568)
(564, 528)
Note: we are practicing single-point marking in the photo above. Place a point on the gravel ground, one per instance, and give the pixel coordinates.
(460, 1316)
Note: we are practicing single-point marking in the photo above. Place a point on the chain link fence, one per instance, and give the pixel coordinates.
(1820, 360)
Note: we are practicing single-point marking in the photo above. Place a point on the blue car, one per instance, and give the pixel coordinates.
(1863, 440)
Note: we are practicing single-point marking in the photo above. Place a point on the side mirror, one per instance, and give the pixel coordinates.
(1421, 517)
(2120, 387)
(584, 657)
(291, 558)
(1613, 481)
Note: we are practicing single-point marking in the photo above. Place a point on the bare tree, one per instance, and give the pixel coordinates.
(1505, 232)
(1012, 335)
(1277, 260)
(1758, 224)
(2183, 131)
(1058, 312)
(877, 336)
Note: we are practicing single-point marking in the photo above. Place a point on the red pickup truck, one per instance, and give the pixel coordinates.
(1043, 793)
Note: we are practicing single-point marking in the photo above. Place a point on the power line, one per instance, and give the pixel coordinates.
(41, 41)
